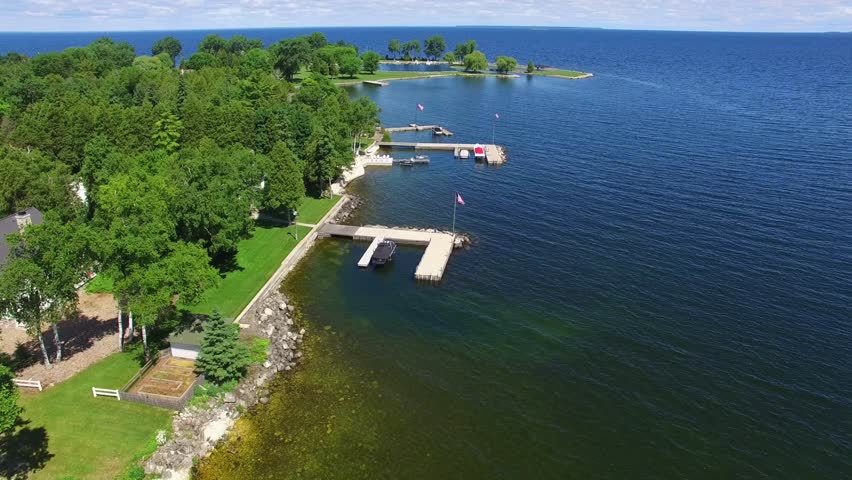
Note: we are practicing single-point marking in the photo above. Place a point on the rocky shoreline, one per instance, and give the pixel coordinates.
(197, 430)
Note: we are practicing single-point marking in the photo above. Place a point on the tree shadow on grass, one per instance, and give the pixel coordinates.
(23, 451)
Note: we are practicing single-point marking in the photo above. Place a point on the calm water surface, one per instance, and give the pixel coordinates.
(660, 284)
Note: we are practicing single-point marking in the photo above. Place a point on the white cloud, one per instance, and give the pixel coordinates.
(756, 15)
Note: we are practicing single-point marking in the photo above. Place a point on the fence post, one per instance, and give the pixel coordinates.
(93, 393)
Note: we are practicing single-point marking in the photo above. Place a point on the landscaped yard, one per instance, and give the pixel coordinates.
(92, 438)
(258, 257)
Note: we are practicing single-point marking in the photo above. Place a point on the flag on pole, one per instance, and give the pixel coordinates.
(419, 107)
(497, 115)
(459, 199)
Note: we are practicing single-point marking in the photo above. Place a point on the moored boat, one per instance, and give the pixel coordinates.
(478, 151)
(384, 252)
(437, 131)
(464, 154)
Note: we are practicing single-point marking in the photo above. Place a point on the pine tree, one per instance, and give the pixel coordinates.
(222, 358)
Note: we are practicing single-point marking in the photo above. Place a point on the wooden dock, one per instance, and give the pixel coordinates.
(439, 246)
(493, 153)
(418, 128)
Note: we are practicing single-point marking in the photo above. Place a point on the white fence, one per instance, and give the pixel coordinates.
(27, 383)
(105, 392)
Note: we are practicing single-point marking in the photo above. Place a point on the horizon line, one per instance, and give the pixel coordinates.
(320, 27)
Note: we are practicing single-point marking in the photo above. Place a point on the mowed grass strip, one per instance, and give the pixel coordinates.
(92, 438)
(258, 258)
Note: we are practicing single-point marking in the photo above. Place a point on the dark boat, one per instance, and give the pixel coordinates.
(384, 252)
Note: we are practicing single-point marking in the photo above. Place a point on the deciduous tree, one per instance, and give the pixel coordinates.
(506, 64)
(434, 46)
(169, 45)
(9, 408)
(371, 61)
(475, 62)
(350, 66)
(394, 48)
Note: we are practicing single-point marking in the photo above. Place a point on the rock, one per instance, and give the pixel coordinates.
(267, 364)
(264, 400)
(230, 398)
(291, 308)
(282, 306)
(267, 311)
(302, 331)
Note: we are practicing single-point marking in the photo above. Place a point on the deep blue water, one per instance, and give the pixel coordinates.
(661, 280)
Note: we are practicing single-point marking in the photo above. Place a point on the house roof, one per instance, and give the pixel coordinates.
(10, 225)
(186, 337)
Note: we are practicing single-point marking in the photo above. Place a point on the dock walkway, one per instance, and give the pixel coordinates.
(418, 128)
(493, 153)
(439, 245)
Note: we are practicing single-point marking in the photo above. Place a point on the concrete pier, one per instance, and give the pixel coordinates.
(418, 128)
(493, 153)
(439, 246)
(368, 255)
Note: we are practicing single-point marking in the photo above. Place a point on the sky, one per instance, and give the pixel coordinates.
(715, 15)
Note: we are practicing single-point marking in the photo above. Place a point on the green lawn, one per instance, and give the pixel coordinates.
(91, 438)
(555, 72)
(258, 257)
(312, 209)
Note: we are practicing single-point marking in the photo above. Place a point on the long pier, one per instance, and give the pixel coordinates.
(439, 245)
(493, 153)
(418, 128)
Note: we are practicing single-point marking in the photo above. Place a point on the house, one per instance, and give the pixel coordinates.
(16, 223)
(185, 344)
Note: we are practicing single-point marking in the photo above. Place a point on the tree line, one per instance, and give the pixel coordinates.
(465, 54)
(288, 57)
(150, 174)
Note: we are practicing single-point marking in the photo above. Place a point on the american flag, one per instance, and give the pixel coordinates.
(419, 107)
(496, 115)
(459, 199)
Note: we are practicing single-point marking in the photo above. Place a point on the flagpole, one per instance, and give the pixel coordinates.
(455, 202)
(493, 128)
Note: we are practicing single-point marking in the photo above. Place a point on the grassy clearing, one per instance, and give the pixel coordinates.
(257, 258)
(92, 438)
(389, 75)
(100, 284)
(555, 72)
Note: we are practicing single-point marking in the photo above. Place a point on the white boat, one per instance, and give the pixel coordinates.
(464, 154)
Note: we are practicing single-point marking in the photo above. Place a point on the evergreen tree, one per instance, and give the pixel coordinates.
(285, 187)
(530, 67)
(222, 358)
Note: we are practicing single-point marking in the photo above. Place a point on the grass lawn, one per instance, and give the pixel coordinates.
(557, 73)
(92, 438)
(258, 257)
(100, 284)
(313, 209)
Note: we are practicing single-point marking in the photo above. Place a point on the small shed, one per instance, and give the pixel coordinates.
(185, 344)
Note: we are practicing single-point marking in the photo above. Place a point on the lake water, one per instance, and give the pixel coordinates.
(660, 284)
